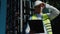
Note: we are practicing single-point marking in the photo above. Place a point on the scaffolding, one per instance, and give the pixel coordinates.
(18, 12)
(13, 17)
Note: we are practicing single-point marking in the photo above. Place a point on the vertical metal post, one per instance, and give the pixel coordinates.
(21, 16)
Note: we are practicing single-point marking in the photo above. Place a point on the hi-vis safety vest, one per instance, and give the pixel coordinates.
(46, 22)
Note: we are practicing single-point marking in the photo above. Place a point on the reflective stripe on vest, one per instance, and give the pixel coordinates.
(46, 22)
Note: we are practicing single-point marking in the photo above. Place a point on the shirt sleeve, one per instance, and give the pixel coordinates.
(54, 12)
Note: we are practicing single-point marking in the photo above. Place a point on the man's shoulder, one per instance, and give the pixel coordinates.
(34, 16)
(31, 17)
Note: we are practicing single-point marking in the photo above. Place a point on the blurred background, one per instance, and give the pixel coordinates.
(12, 10)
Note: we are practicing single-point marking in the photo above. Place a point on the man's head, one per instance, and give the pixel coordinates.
(38, 5)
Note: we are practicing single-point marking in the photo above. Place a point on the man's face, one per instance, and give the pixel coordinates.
(42, 5)
(38, 8)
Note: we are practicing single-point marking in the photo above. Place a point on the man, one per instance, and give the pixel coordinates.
(43, 12)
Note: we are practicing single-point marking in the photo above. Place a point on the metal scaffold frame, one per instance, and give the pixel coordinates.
(21, 16)
(13, 17)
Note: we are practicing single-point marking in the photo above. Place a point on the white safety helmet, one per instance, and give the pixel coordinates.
(37, 3)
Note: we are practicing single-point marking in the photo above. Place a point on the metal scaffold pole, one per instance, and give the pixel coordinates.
(21, 16)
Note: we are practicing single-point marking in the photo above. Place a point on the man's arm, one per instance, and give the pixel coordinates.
(54, 12)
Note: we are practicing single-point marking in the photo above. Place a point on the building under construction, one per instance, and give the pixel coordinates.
(16, 9)
(18, 12)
